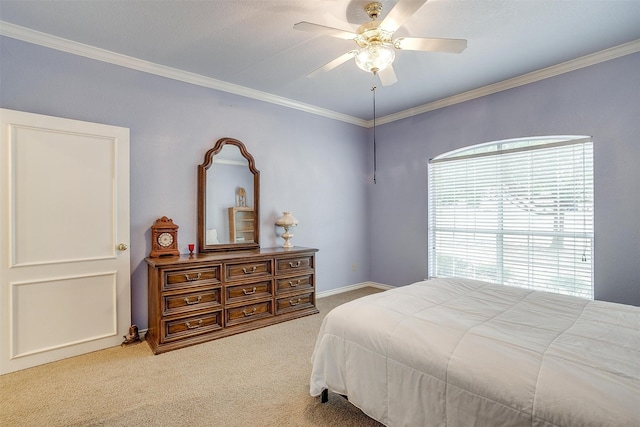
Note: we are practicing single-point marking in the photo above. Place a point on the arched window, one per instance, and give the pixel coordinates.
(517, 212)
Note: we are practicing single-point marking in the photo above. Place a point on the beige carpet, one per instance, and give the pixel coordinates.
(259, 378)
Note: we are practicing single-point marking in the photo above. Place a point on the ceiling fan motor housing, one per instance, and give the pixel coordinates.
(371, 33)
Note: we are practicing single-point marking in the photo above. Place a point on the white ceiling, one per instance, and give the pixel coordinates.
(252, 43)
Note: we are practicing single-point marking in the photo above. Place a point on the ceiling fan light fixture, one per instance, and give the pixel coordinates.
(375, 57)
(375, 39)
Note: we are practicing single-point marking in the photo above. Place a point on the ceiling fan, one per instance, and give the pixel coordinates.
(375, 40)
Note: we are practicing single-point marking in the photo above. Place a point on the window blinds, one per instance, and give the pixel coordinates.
(517, 212)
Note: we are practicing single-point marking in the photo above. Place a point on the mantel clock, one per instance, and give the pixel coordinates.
(164, 238)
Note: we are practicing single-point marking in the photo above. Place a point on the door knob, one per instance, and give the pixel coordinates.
(122, 247)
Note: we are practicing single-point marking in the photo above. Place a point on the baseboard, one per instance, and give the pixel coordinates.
(353, 288)
(141, 333)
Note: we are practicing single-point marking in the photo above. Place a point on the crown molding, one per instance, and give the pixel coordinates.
(545, 73)
(68, 46)
(58, 43)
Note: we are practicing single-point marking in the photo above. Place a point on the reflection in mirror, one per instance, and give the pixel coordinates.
(228, 188)
(227, 176)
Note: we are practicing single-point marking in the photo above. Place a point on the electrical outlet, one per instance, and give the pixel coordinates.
(354, 267)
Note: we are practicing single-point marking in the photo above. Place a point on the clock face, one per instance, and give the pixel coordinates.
(165, 240)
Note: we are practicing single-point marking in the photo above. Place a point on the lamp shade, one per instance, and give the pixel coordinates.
(375, 57)
(286, 220)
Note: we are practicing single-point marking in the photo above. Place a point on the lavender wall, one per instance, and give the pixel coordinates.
(602, 100)
(321, 168)
(313, 166)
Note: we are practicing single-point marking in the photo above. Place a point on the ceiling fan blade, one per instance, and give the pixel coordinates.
(400, 13)
(431, 45)
(325, 31)
(387, 76)
(333, 64)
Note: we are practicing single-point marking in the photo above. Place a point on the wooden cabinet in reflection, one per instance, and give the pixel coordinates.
(241, 224)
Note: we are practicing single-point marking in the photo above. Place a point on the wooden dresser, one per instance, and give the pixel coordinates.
(202, 297)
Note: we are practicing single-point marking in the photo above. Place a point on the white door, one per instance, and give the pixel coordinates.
(64, 211)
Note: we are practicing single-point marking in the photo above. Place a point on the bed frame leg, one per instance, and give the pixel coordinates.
(325, 396)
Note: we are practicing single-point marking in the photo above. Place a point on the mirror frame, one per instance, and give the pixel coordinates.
(202, 199)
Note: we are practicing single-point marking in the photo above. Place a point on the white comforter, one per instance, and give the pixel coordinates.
(453, 352)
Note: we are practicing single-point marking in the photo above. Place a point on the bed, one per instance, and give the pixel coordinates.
(457, 352)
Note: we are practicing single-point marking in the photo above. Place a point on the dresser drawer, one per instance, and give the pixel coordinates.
(248, 313)
(176, 279)
(248, 292)
(297, 283)
(190, 326)
(246, 270)
(192, 301)
(294, 302)
(293, 265)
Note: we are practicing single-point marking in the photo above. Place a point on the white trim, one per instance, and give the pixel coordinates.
(64, 45)
(353, 288)
(53, 42)
(545, 73)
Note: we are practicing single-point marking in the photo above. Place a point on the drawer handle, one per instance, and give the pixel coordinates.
(193, 302)
(249, 313)
(293, 285)
(251, 292)
(294, 303)
(252, 270)
(190, 326)
(192, 279)
(294, 264)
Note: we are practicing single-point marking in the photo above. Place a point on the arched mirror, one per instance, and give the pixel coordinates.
(228, 198)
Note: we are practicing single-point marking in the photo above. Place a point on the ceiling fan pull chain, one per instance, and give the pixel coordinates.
(373, 89)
